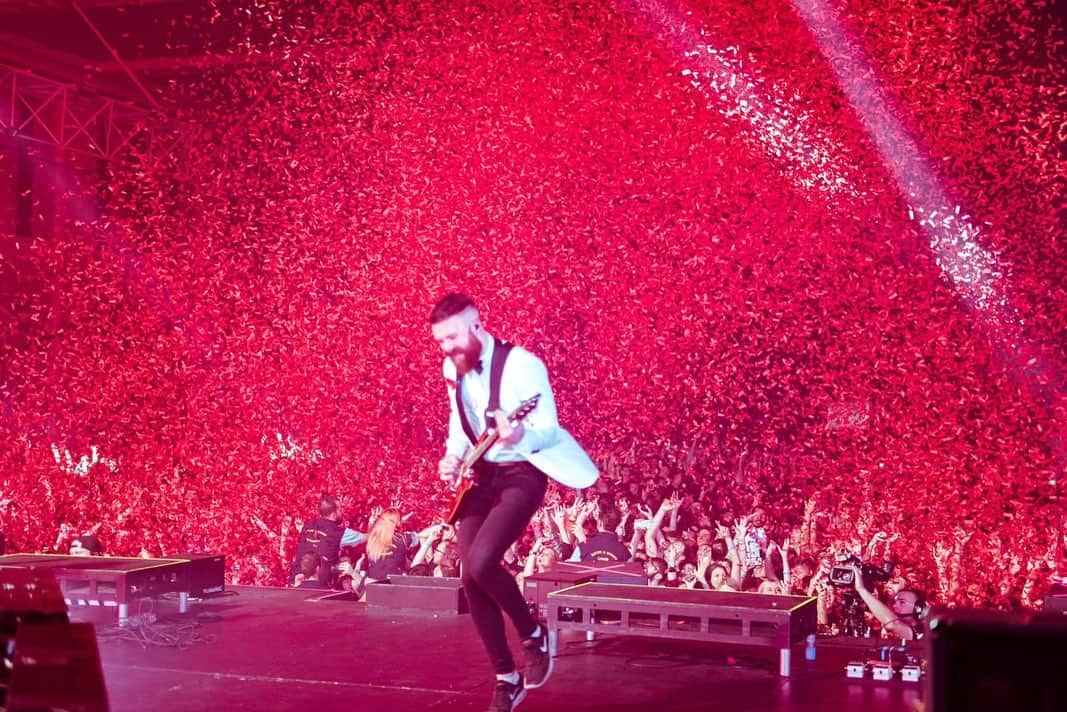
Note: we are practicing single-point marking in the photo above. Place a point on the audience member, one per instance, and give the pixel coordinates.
(903, 618)
(605, 544)
(324, 536)
(310, 574)
(86, 545)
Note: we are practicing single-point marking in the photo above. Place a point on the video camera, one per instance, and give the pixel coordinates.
(842, 574)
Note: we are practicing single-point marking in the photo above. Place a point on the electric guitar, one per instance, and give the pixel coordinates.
(465, 478)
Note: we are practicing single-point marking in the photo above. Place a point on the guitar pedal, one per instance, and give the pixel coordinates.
(855, 670)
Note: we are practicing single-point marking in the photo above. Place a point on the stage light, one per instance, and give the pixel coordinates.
(774, 116)
(975, 272)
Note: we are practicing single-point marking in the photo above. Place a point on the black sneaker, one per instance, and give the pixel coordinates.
(538, 660)
(506, 696)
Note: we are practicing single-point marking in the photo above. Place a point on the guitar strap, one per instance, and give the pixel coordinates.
(501, 349)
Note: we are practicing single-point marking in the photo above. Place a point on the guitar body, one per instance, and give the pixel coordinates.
(465, 480)
(464, 484)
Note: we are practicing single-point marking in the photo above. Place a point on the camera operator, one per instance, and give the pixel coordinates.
(902, 618)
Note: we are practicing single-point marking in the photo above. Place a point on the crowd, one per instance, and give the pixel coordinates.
(746, 531)
(683, 527)
(686, 533)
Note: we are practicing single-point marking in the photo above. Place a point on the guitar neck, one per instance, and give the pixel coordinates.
(485, 442)
(490, 436)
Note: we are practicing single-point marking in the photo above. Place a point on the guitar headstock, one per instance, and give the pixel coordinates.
(525, 408)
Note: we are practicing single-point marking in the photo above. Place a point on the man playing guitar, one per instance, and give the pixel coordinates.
(488, 379)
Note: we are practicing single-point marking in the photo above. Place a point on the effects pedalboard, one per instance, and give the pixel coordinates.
(890, 664)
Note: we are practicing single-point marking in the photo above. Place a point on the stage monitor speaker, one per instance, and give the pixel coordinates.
(1056, 600)
(56, 666)
(982, 661)
(207, 574)
(30, 595)
(46, 663)
(425, 593)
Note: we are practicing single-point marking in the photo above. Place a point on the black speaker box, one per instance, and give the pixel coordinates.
(46, 662)
(56, 667)
(982, 661)
(426, 593)
(207, 573)
(1056, 600)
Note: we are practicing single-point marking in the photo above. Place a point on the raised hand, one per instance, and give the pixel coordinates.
(857, 579)
(740, 529)
(962, 536)
(556, 514)
(941, 552)
(1016, 565)
(549, 517)
(703, 559)
(576, 507)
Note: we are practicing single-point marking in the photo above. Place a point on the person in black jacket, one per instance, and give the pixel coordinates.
(324, 536)
(605, 545)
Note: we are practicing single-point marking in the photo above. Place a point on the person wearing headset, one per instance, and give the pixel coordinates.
(903, 617)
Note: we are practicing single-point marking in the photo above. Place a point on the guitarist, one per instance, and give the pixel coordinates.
(488, 378)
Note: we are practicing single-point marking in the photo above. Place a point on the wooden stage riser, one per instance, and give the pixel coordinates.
(111, 581)
(709, 617)
(730, 630)
(655, 621)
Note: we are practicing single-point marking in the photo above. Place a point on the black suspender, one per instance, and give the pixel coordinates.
(496, 368)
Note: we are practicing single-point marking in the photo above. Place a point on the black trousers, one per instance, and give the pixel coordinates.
(494, 515)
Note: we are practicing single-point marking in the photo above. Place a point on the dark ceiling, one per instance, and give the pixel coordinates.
(158, 42)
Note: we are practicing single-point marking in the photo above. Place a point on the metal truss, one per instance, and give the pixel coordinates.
(52, 113)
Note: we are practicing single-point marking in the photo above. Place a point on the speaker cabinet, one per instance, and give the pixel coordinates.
(982, 661)
(56, 667)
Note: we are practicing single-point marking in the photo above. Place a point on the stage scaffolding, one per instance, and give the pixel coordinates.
(60, 115)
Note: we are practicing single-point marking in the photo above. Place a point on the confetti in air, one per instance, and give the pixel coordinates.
(748, 252)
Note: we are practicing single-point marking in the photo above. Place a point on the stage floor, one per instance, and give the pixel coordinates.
(279, 649)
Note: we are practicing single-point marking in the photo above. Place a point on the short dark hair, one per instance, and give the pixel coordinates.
(450, 305)
(309, 564)
(609, 518)
(920, 600)
(327, 505)
(90, 543)
(659, 564)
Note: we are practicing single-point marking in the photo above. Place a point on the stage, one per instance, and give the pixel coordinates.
(284, 649)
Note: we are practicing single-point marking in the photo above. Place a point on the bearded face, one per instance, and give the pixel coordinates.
(466, 354)
(457, 339)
